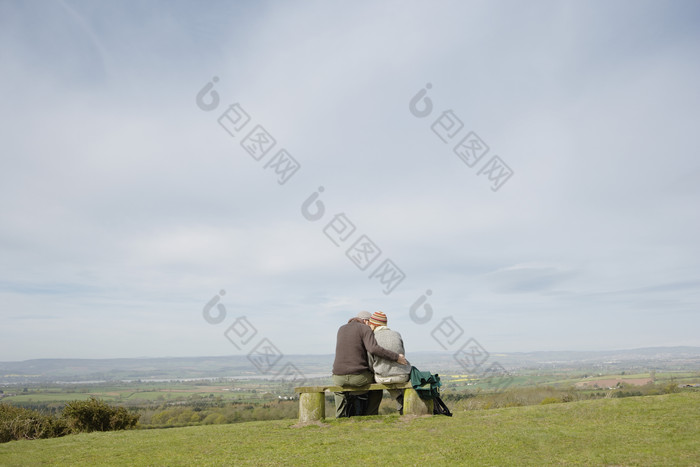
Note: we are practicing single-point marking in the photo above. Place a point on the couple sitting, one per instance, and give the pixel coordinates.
(368, 351)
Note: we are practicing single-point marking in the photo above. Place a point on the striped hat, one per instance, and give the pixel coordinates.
(378, 319)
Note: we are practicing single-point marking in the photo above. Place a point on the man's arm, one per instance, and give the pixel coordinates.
(404, 362)
(375, 349)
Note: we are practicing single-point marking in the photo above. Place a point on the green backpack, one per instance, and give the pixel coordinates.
(422, 378)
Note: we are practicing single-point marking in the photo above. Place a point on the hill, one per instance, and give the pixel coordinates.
(654, 430)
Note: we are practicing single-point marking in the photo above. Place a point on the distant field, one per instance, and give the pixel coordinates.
(569, 378)
(142, 392)
(149, 394)
(611, 382)
(23, 398)
(653, 430)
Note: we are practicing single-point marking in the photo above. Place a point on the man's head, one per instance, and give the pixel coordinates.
(377, 319)
(364, 316)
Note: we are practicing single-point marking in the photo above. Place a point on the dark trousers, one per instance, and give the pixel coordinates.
(341, 401)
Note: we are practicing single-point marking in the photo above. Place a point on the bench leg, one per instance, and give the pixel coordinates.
(312, 407)
(414, 405)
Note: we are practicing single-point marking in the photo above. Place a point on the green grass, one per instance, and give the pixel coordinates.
(654, 430)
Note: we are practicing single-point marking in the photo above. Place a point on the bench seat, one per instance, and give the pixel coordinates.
(312, 401)
(367, 387)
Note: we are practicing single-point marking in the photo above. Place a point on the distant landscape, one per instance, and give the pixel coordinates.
(180, 404)
(181, 391)
(315, 366)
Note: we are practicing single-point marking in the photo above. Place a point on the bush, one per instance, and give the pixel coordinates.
(19, 423)
(96, 415)
(671, 388)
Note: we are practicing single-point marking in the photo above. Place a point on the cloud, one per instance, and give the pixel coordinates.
(525, 278)
(126, 206)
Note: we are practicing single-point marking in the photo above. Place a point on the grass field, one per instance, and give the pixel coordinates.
(653, 430)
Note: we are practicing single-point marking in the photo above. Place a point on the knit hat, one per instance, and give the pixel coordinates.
(378, 319)
(364, 315)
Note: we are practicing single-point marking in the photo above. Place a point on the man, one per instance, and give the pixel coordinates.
(351, 366)
(387, 371)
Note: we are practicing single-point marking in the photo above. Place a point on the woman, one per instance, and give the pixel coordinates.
(388, 371)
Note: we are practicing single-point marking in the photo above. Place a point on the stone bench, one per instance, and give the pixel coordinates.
(312, 400)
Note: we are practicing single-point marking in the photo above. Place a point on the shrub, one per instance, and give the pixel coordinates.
(671, 387)
(96, 415)
(121, 419)
(19, 423)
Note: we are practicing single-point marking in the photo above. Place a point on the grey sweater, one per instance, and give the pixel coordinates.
(390, 340)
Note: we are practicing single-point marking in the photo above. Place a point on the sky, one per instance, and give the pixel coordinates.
(515, 176)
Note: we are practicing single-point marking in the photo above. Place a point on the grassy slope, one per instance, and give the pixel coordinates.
(654, 430)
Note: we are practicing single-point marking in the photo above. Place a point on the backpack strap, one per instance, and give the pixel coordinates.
(440, 408)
